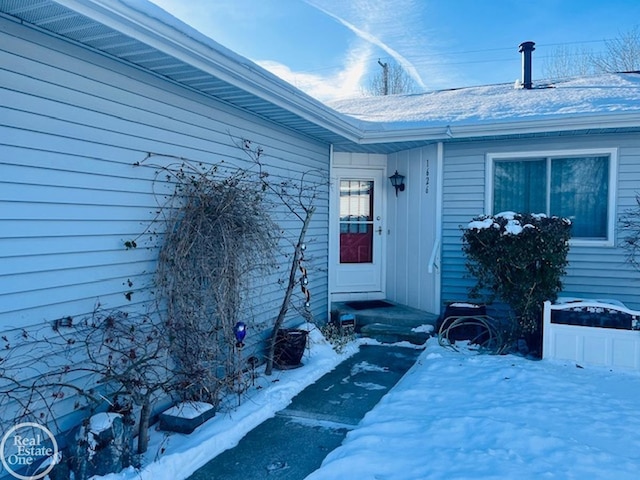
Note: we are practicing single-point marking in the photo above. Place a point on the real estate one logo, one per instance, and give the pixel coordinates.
(26, 444)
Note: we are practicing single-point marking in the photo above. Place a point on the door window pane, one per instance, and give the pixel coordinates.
(356, 244)
(356, 221)
(356, 200)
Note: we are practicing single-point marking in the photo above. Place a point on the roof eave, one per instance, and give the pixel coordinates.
(505, 128)
(247, 76)
(187, 45)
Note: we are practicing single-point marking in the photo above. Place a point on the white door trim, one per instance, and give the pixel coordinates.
(337, 292)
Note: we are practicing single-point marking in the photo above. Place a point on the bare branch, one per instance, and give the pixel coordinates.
(397, 82)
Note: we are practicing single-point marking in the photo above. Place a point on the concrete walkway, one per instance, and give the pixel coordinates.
(293, 444)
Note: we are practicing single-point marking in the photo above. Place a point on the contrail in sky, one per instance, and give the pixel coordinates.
(406, 64)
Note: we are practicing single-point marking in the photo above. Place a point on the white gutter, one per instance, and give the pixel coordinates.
(452, 131)
(330, 242)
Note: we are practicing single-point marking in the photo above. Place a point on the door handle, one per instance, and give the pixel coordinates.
(379, 230)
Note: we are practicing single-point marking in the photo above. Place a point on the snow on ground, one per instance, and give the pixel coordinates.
(454, 415)
(173, 456)
(467, 416)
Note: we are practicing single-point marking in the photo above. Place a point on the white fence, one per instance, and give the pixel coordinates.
(592, 345)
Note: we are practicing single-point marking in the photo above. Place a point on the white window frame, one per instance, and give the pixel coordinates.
(612, 153)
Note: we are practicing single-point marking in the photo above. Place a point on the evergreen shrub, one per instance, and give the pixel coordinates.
(518, 259)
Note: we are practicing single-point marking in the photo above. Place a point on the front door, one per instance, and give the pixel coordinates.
(357, 261)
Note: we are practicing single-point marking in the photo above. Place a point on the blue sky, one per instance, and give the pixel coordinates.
(330, 48)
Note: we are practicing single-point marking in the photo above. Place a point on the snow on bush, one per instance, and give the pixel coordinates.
(518, 259)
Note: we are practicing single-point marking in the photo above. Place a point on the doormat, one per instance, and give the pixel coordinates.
(367, 304)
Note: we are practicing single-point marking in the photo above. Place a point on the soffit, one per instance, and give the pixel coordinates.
(65, 22)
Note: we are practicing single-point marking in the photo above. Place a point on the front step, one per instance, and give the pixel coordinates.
(395, 314)
(389, 324)
(386, 333)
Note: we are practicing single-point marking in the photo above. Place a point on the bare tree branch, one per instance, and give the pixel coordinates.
(622, 53)
(397, 82)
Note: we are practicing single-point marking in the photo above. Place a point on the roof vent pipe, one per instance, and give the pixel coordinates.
(526, 48)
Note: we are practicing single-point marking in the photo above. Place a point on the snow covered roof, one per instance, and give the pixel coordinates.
(569, 100)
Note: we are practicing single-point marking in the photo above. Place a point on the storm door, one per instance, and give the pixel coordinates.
(358, 226)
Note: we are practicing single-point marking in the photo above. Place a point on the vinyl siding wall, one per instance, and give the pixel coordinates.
(72, 125)
(594, 271)
(412, 232)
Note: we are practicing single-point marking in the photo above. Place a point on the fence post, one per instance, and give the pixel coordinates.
(546, 329)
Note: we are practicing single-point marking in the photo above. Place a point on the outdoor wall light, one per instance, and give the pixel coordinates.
(397, 181)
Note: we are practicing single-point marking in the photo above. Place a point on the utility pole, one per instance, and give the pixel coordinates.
(385, 77)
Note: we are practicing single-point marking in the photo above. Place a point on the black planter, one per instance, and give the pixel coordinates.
(468, 331)
(174, 421)
(290, 345)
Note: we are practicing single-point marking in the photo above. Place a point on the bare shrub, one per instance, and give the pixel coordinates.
(219, 238)
(630, 225)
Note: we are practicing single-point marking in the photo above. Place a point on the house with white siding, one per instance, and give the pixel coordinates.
(89, 87)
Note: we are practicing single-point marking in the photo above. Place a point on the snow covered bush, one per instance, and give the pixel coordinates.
(518, 259)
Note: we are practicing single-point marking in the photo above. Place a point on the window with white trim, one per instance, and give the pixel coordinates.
(578, 186)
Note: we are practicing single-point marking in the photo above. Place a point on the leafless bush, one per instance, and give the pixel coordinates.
(630, 224)
(219, 238)
(89, 362)
(298, 197)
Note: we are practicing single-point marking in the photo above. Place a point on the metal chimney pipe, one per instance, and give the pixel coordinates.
(525, 49)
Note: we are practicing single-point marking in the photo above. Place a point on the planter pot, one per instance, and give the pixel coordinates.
(186, 417)
(290, 345)
(462, 332)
